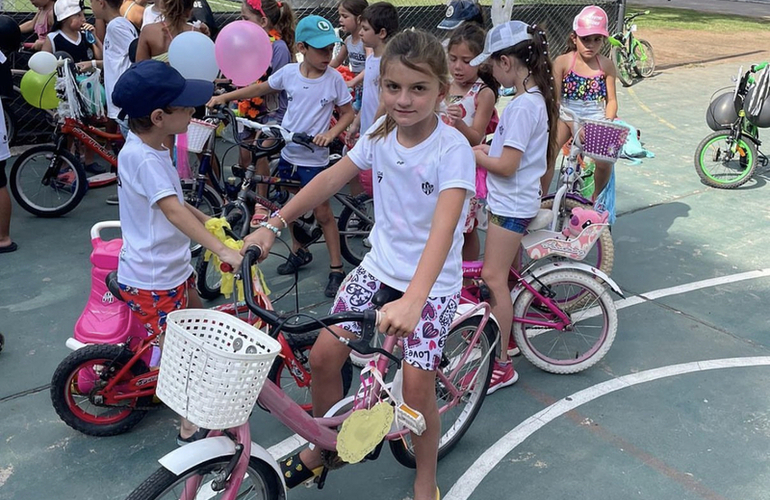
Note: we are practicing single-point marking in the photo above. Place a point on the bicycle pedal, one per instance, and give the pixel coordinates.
(408, 417)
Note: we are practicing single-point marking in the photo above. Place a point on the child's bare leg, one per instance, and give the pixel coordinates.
(325, 217)
(471, 245)
(420, 394)
(602, 173)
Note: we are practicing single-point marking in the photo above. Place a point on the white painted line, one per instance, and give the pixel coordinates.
(468, 482)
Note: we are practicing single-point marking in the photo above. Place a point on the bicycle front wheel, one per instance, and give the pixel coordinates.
(260, 482)
(48, 183)
(576, 346)
(210, 203)
(471, 379)
(645, 59)
(208, 279)
(620, 57)
(354, 229)
(718, 166)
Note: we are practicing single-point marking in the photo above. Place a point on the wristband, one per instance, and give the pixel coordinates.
(93, 63)
(271, 227)
(280, 217)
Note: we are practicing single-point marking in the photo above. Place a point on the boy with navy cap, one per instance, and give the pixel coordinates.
(314, 89)
(154, 269)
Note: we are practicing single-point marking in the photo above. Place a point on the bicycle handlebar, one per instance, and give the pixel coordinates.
(277, 132)
(369, 319)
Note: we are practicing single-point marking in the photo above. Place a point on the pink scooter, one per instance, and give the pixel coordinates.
(105, 319)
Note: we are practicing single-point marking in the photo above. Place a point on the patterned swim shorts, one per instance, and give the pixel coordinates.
(152, 306)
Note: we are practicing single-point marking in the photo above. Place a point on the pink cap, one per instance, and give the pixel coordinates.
(592, 20)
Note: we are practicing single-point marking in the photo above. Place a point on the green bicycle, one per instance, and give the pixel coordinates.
(632, 56)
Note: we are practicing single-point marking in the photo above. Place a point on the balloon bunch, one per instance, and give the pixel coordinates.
(38, 85)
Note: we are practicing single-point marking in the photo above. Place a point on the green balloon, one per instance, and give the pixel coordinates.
(39, 90)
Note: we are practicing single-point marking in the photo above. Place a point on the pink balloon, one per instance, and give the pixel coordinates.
(243, 52)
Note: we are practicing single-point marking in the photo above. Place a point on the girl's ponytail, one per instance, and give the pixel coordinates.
(537, 60)
(281, 17)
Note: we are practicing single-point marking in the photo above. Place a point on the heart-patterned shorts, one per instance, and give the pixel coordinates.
(422, 349)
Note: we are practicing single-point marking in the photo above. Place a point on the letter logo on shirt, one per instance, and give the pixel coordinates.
(427, 188)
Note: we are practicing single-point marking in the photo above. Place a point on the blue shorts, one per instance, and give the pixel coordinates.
(289, 172)
(515, 224)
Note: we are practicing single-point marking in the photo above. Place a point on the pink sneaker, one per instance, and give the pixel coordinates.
(513, 349)
(503, 375)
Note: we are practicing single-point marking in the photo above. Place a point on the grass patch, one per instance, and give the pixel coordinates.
(682, 19)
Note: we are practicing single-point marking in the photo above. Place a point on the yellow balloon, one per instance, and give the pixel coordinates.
(39, 90)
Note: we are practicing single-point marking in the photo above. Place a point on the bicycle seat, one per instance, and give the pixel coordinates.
(386, 294)
(112, 285)
(541, 220)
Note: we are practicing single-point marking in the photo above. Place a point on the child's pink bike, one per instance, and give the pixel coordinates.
(227, 464)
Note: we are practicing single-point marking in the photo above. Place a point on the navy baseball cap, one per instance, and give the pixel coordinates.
(459, 11)
(150, 85)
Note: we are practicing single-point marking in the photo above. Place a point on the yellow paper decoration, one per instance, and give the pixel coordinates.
(363, 431)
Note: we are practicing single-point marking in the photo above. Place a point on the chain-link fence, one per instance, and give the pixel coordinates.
(32, 125)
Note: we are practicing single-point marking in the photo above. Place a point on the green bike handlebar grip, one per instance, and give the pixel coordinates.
(759, 67)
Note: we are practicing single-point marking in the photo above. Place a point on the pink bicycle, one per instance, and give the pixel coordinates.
(228, 465)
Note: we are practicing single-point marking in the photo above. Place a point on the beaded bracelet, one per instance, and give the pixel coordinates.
(271, 227)
(280, 217)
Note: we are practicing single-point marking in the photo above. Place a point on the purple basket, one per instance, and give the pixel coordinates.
(604, 140)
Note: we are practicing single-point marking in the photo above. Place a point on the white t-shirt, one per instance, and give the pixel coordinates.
(5, 151)
(120, 33)
(310, 108)
(155, 254)
(523, 126)
(356, 54)
(151, 15)
(407, 183)
(370, 99)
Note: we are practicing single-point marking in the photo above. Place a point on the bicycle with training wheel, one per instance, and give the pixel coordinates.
(633, 57)
(106, 389)
(728, 157)
(228, 465)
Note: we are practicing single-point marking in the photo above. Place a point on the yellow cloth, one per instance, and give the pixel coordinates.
(217, 226)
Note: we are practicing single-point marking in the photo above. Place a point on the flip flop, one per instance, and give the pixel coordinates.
(10, 248)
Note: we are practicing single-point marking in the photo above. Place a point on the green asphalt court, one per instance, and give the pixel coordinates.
(678, 409)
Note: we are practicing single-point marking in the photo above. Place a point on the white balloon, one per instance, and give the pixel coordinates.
(43, 63)
(192, 54)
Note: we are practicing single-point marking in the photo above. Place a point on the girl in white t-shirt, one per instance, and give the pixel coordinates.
(352, 48)
(525, 140)
(422, 185)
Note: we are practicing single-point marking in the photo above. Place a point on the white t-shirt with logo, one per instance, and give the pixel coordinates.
(523, 126)
(407, 183)
(120, 33)
(310, 108)
(370, 99)
(155, 254)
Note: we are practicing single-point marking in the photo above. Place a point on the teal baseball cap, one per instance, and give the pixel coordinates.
(316, 32)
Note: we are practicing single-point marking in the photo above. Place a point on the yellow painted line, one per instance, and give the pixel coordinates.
(648, 110)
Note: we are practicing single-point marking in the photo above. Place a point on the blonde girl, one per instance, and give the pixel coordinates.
(523, 144)
(472, 97)
(422, 166)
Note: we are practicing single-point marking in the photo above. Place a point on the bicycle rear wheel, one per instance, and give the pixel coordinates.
(716, 164)
(645, 59)
(354, 229)
(261, 482)
(579, 345)
(48, 183)
(620, 57)
(208, 279)
(457, 413)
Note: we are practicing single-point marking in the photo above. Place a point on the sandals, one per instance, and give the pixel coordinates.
(261, 214)
(295, 261)
(198, 435)
(336, 276)
(295, 472)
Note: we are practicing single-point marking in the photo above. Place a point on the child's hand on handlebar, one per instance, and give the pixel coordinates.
(400, 317)
(262, 238)
(217, 100)
(232, 257)
(323, 140)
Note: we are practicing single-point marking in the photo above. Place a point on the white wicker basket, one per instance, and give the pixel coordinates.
(198, 133)
(213, 367)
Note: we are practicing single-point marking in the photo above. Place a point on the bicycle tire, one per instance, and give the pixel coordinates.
(65, 193)
(208, 281)
(210, 204)
(619, 56)
(595, 302)
(602, 256)
(453, 428)
(161, 484)
(281, 374)
(731, 176)
(82, 368)
(353, 237)
(645, 59)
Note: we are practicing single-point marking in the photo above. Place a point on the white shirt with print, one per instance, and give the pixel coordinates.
(370, 99)
(155, 254)
(523, 126)
(309, 110)
(407, 183)
(120, 33)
